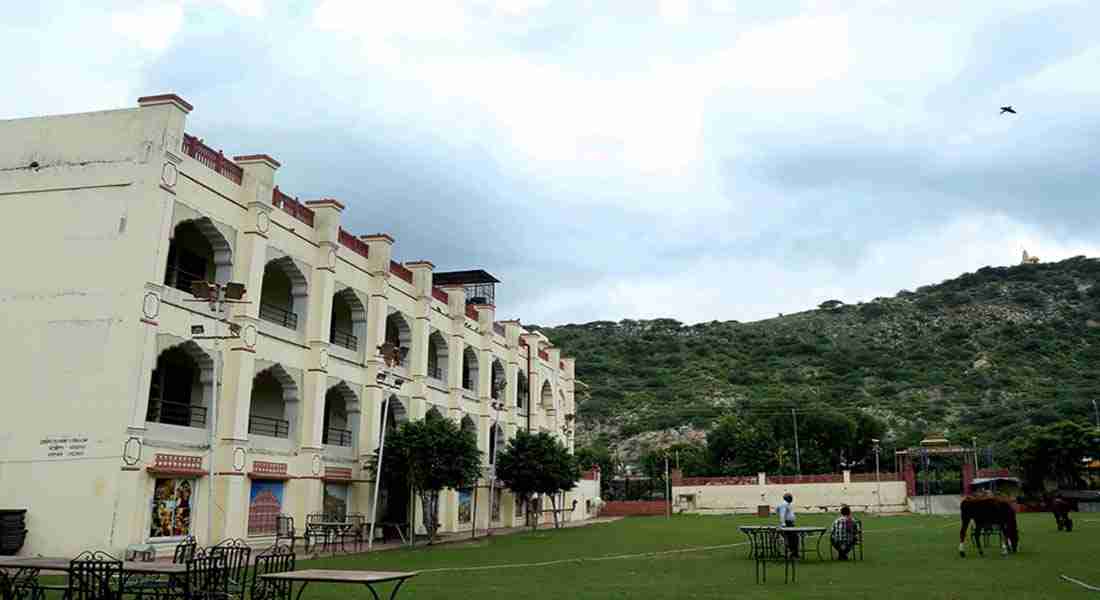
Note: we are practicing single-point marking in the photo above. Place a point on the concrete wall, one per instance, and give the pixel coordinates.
(887, 496)
(93, 201)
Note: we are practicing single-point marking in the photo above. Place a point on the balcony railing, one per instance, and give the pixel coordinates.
(401, 271)
(292, 207)
(180, 279)
(353, 243)
(344, 338)
(175, 413)
(269, 426)
(337, 437)
(215, 161)
(435, 372)
(278, 315)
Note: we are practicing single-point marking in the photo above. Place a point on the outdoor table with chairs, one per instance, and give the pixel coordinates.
(759, 534)
(365, 578)
(215, 573)
(329, 530)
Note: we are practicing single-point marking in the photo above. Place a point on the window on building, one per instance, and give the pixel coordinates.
(335, 504)
(521, 506)
(265, 503)
(171, 508)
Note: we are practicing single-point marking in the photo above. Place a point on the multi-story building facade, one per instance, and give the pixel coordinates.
(128, 422)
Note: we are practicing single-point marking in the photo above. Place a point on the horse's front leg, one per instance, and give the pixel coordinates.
(962, 538)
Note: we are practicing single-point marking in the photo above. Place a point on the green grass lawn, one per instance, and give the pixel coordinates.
(906, 557)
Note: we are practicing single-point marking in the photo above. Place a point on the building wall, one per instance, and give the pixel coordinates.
(887, 496)
(98, 197)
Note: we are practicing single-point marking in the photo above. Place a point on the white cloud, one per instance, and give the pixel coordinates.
(151, 26)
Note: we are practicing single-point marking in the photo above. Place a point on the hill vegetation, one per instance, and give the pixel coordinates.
(986, 355)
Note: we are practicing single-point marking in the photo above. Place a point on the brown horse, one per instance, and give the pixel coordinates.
(1061, 507)
(987, 513)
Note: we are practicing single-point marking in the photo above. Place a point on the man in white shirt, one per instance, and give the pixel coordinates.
(785, 510)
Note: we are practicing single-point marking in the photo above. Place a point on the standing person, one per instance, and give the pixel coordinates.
(843, 532)
(785, 510)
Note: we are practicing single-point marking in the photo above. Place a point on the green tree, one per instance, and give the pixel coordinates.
(428, 456)
(1055, 452)
(735, 447)
(597, 455)
(537, 463)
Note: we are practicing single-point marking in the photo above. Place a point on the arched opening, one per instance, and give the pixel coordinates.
(468, 426)
(522, 391)
(341, 412)
(496, 442)
(437, 356)
(181, 387)
(274, 396)
(547, 396)
(399, 334)
(283, 293)
(432, 414)
(349, 320)
(197, 251)
(469, 369)
(499, 383)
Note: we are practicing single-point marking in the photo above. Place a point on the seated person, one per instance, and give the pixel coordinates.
(843, 533)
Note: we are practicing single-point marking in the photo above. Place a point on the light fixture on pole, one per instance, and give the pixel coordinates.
(878, 482)
(392, 355)
(217, 296)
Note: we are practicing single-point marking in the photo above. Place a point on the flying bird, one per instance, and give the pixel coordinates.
(1007, 109)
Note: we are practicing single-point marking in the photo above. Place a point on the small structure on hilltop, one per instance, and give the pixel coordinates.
(1029, 260)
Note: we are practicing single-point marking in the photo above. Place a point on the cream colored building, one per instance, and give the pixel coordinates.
(110, 403)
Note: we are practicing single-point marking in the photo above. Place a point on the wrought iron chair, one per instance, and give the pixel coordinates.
(22, 584)
(314, 533)
(276, 559)
(185, 550)
(284, 530)
(235, 554)
(775, 546)
(94, 576)
(207, 577)
(356, 532)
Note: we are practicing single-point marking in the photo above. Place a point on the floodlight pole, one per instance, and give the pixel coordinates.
(378, 471)
(878, 482)
(797, 454)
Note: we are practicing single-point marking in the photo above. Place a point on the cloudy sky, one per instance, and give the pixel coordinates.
(693, 159)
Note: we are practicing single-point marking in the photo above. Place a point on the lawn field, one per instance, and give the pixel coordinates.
(706, 557)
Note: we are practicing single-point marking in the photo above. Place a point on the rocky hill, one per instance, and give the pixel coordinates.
(981, 355)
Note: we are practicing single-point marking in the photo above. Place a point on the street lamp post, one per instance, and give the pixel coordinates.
(1097, 411)
(217, 295)
(878, 482)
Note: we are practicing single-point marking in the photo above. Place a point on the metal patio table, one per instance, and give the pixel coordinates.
(803, 533)
(754, 533)
(14, 569)
(366, 578)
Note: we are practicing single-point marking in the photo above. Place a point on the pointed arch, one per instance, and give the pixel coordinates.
(522, 390)
(283, 293)
(197, 250)
(348, 325)
(340, 420)
(273, 406)
(396, 413)
(498, 382)
(181, 386)
(437, 356)
(546, 398)
(469, 369)
(399, 333)
(496, 441)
